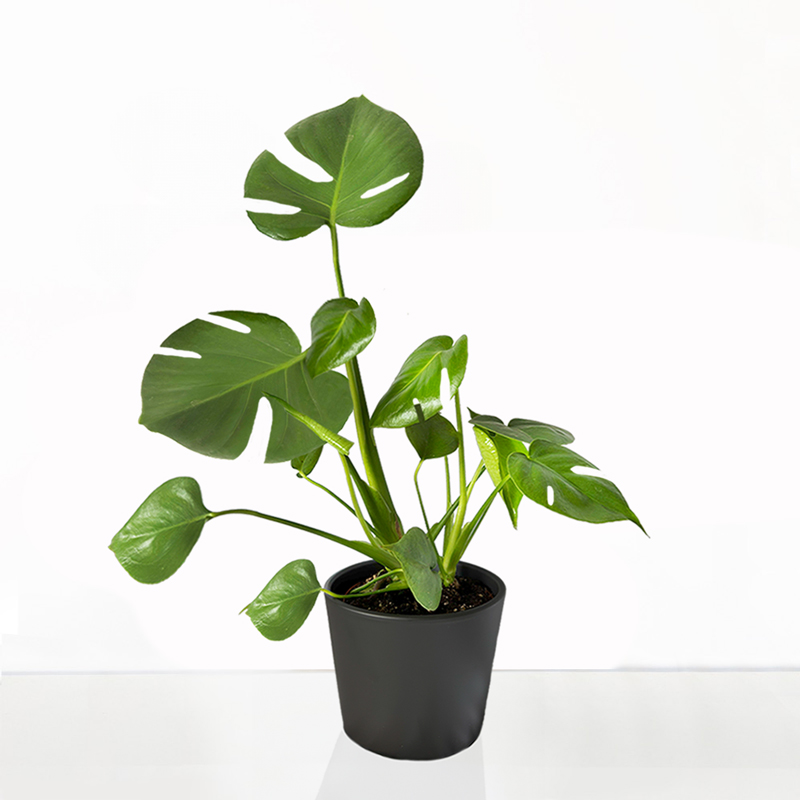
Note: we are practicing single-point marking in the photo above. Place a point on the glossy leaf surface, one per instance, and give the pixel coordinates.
(209, 404)
(362, 147)
(417, 556)
(286, 601)
(589, 498)
(419, 380)
(340, 330)
(159, 536)
(495, 450)
(522, 430)
(433, 438)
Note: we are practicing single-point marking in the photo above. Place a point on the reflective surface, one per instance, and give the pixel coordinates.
(547, 736)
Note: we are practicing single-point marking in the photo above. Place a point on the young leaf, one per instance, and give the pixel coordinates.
(589, 498)
(362, 147)
(339, 442)
(285, 602)
(417, 556)
(340, 330)
(306, 463)
(208, 404)
(495, 450)
(433, 438)
(159, 536)
(384, 520)
(419, 381)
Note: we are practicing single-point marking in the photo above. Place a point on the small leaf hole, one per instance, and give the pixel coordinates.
(551, 495)
(169, 351)
(383, 187)
(224, 322)
(268, 207)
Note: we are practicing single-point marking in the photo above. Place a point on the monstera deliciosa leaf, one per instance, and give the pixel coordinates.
(363, 147)
(209, 404)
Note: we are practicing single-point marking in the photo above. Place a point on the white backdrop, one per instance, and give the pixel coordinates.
(610, 211)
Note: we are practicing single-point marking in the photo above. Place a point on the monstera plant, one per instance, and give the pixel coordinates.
(205, 395)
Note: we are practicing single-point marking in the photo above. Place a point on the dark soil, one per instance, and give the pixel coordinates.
(463, 593)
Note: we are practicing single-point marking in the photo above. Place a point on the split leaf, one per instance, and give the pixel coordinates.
(209, 404)
(363, 147)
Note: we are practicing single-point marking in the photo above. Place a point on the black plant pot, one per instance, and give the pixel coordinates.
(413, 687)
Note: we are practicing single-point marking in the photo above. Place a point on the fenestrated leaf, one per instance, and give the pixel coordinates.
(285, 602)
(433, 438)
(340, 330)
(417, 556)
(522, 430)
(362, 147)
(419, 381)
(589, 498)
(159, 536)
(208, 404)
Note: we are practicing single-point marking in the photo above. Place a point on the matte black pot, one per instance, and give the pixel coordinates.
(413, 687)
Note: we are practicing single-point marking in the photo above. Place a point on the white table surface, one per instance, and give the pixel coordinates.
(547, 736)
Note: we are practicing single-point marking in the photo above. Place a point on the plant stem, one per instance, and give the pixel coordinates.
(419, 495)
(356, 507)
(330, 492)
(365, 548)
(366, 438)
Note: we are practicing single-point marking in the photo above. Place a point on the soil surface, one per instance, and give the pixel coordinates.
(461, 594)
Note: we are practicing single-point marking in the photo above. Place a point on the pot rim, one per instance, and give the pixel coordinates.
(420, 618)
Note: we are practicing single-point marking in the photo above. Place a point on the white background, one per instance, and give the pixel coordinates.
(610, 211)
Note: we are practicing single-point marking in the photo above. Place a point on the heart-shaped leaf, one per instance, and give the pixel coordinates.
(417, 556)
(419, 381)
(589, 498)
(156, 540)
(363, 147)
(286, 601)
(433, 438)
(340, 330)
(208, 404)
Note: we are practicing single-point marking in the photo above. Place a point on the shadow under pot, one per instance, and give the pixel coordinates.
(413, 686)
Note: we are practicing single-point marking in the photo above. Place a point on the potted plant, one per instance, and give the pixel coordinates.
(412, 679)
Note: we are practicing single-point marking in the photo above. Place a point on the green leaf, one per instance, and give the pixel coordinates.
(156, 540)
(340, 330)
(385, 522)
(417, 556)
(589, 498)
(495, 450)
(285, 602)
(419, 381)
(433, 438)
(362, 147)
(339, 442)
(209, 404)
(305, 464)
(522, 430)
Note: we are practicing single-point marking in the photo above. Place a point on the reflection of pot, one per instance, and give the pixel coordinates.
(413, 687)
